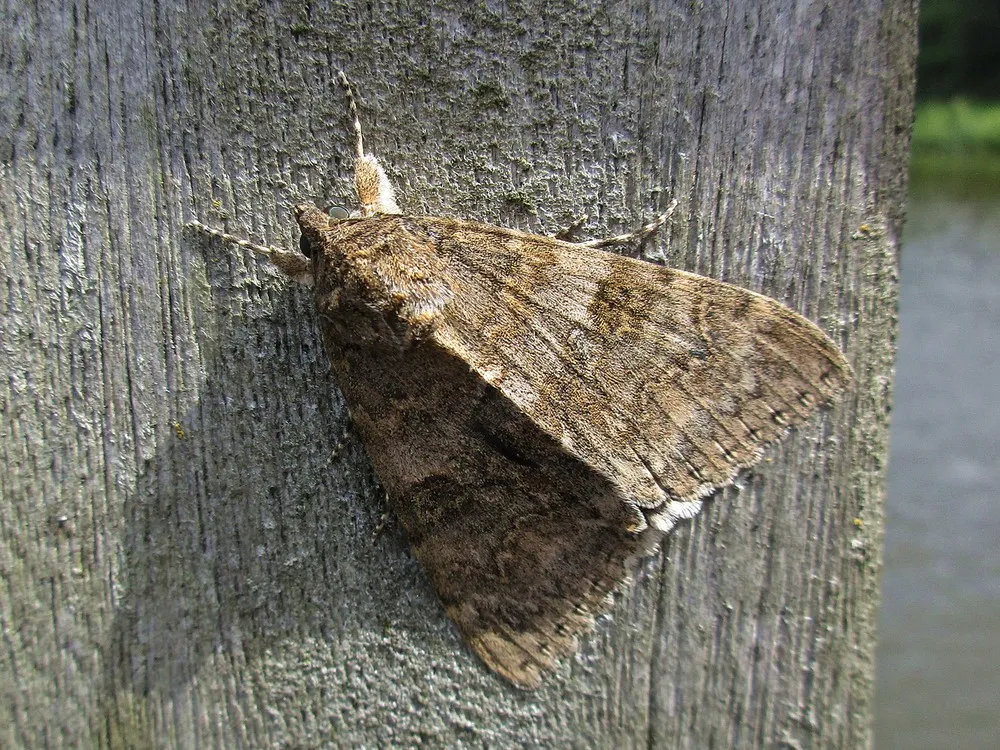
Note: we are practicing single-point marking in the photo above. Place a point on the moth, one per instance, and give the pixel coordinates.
(540, 411)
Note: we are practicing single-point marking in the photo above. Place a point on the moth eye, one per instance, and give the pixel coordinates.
(305, 246)
(338, 212)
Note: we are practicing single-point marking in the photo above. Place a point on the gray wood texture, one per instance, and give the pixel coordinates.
(186, 520)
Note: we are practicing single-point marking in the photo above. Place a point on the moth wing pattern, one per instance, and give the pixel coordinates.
(562, 409)
(675, 381)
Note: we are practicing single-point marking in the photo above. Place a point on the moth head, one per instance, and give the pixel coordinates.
(313, 224)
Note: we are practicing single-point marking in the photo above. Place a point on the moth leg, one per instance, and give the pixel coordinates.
(568, 231)
(384, 521)
(341, 441)
(635, 236)
(294, 265)
(374, 189)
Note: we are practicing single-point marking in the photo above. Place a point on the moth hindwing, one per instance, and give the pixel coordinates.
(540, 411)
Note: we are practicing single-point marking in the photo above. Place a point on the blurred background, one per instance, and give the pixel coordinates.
(939, 634)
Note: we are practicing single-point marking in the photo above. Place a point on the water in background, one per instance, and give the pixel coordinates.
(938, 682)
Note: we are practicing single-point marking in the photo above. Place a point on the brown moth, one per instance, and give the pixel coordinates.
(539, 411)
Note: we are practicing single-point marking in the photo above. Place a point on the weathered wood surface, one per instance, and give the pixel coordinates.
(187, 556)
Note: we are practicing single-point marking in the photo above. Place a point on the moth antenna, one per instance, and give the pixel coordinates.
(294, 265)
(374, 189)
(352, 104)
(226, 237)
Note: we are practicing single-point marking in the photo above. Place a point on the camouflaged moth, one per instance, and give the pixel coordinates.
(540, 411)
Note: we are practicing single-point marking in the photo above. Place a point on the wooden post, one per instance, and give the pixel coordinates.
(185, 527)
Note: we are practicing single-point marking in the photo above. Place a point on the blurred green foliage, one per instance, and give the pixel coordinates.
(956, 147)
(957, 126)
(959, 50)
(956, 134)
